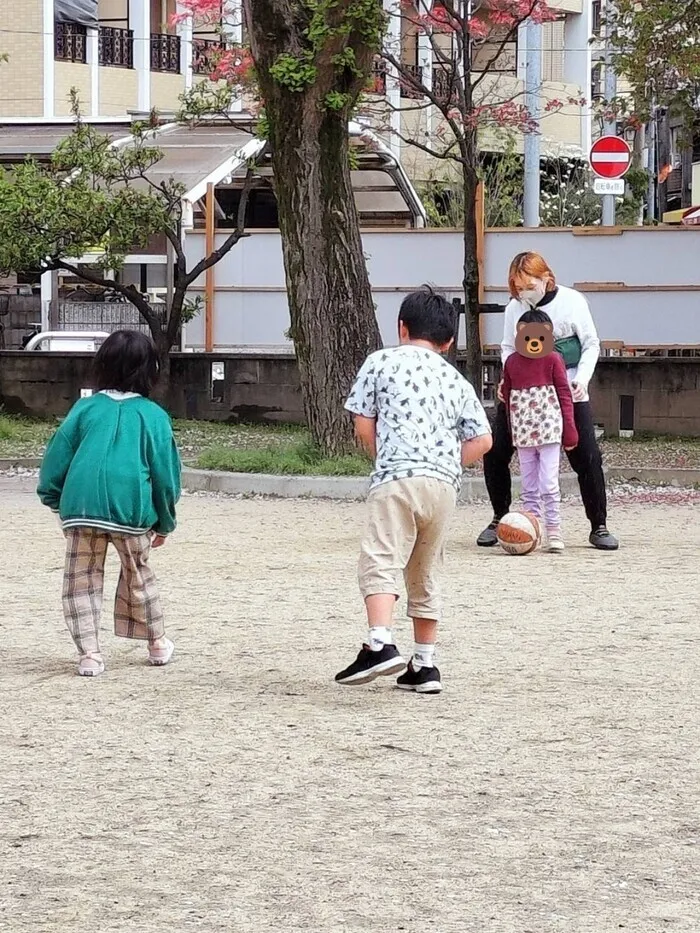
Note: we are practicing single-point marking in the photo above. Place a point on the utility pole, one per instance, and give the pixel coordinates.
(610, 126)
(651, 165)
(533, 82)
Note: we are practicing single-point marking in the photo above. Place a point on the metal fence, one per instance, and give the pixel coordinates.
(17, 315)
(96, 315)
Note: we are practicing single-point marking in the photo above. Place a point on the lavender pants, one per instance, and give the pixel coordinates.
(539, 472)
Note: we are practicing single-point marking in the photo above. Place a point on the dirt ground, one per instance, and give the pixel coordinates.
(554, 786)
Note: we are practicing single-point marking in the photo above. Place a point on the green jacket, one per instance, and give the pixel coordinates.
(113, 465)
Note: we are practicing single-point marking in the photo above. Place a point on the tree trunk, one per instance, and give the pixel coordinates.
(161, 392)
(470, 282)
(333, 322)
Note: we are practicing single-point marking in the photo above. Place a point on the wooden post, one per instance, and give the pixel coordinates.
(209, 274)
(480, 248)
(452, 353)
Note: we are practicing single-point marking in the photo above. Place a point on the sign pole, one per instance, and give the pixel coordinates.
(610, 159)
(610, 128)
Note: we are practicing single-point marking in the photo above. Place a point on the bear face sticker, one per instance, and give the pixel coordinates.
(534, 341)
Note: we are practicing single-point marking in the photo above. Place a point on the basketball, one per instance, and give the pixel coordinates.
(519, 533)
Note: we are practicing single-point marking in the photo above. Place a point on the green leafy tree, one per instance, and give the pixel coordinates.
(657, 48)
(312, 59)
(98, 197)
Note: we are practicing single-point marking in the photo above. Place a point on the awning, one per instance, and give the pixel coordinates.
(19, 140)
(83, 12)
(219, 152)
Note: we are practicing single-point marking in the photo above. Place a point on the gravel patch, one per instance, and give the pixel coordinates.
(552, 788)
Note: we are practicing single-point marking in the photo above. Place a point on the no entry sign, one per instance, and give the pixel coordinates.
(610, 157)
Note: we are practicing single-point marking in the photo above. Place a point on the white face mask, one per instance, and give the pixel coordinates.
(533, 296)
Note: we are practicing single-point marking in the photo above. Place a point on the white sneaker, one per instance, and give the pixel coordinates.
(555, 545)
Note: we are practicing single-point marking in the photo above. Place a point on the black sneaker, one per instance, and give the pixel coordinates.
(372, 664)
(488, 538)
(601, 539)
(423, 680)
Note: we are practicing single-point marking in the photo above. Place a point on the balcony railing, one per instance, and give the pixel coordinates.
(445, 86)
(165, 53)
(408, 88)
(205, 55)
(116, 47)
(70, 42)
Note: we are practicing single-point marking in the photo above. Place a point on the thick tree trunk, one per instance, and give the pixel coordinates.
(161, 392)
(470, 282)
(334, 325)
(333, 322)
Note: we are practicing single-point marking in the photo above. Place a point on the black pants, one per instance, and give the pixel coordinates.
(586, 461)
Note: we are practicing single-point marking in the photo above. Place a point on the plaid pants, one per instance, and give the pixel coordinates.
(137, 609)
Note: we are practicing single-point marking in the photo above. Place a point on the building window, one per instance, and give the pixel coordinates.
(116, 47)
(597, 17)
(553, 51)
(70, 42)
(165, 53)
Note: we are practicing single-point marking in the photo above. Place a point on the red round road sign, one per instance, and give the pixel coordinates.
(610, 157)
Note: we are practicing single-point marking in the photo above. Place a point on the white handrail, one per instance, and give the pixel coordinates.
(66, 335)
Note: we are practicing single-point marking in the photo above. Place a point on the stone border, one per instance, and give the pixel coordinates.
(320, 487)
(19, 463)
(355, 487)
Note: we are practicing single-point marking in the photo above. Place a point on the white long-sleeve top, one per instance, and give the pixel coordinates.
(571, 317)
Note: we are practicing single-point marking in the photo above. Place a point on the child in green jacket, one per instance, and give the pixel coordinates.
(112, 472)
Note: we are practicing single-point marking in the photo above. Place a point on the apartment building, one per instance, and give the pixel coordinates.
(566, 76)
(123, 57)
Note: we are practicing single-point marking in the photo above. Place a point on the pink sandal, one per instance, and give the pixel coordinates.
(161, 654)
(91, 665)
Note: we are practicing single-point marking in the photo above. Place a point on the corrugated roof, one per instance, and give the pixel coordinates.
(192, 155)
(18, 140)
(204, 154)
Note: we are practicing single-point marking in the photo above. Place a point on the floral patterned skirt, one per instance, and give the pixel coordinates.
(535, 416)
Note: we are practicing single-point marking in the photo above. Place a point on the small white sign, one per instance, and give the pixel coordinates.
(86, 393)
(609, 186)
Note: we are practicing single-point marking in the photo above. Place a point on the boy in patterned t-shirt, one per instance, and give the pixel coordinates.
(423, 423)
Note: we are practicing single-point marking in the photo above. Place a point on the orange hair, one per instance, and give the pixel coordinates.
(529, 265)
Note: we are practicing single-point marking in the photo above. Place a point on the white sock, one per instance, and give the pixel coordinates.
(379, 635)
(423, 656)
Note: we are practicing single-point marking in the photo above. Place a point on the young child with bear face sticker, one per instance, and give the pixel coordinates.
(540, 410)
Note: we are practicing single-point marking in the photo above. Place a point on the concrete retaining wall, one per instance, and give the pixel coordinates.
(662, 394)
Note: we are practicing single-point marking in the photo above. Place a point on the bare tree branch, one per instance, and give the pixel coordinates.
(233, 238)
(128, 291)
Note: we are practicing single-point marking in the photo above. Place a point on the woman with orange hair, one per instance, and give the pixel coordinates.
(532, 284)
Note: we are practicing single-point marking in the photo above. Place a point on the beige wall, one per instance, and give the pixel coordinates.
(22, 76)
(561, 128)
(567, 6)
(69, 75)
(118, 91)
(166, 90)
(113, 12)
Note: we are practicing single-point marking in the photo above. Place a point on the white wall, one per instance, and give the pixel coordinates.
(251, 306)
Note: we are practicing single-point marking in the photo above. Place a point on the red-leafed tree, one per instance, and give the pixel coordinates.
(312, 59)
(465, 95)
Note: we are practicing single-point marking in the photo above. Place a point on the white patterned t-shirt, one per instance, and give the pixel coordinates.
(424, 408)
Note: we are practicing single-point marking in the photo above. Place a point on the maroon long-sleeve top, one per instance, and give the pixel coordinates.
(538, 401)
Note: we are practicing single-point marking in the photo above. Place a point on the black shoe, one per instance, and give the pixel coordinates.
(601, 539)
(488, 538)
(423, 680)
(372, 664)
